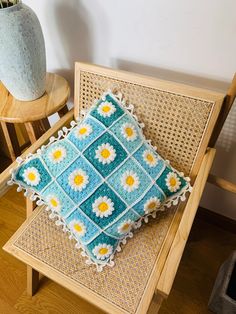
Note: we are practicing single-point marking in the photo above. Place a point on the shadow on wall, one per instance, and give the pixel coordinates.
(72, 23)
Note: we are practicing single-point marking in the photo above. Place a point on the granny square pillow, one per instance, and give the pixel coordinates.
(101, 179)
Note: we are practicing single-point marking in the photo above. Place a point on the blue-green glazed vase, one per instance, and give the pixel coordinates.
(22, 53)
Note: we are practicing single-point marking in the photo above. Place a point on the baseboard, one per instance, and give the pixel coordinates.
(216, 219)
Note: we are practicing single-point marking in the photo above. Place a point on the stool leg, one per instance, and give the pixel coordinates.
(11, 139)
(32, 132)
(32, 274)
(63, 111)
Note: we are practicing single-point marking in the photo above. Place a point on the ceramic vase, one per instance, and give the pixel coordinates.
(22, 53)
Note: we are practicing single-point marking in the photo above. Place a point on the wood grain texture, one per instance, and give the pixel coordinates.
(11, 139)
(54, 99)
(227, 105)
(172, 261)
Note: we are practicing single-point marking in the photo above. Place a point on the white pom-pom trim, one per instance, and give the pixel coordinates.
(59, 220)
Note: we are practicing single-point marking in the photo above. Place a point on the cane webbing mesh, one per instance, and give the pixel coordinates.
(123, 284)
(175, 123)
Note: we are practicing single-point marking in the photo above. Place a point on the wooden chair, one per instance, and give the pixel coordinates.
(180, 120)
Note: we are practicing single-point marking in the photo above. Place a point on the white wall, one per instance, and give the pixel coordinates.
(186, 40)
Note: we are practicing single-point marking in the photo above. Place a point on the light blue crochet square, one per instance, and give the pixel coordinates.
(123, 225)
(58, 156)
(128, 132)
(101, 179)
(57, 199)
(154, 198)
(82, 228)
(150, 161)
(130, 181)
(70, 180)
(85, 133)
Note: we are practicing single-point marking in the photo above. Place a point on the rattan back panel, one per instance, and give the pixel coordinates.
(175, 123)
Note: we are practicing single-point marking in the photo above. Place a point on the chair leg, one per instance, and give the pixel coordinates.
(155, 304)
(32, 281)
(32, 274)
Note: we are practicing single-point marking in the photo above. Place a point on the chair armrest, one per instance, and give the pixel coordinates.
(172, 261)
(5, 175)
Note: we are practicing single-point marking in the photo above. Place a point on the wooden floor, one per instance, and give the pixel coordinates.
(207, 248)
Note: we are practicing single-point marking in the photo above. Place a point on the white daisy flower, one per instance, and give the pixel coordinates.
(125, 226)
(77, 227)
(102, 251)
(31, 176)
(103, 206)
(106, 109)
(105, 153)
(54, 202)
(149, 158)
(83, 131)
(130, 181)
(172, 181)
(128, 131)
(151, 205)
(57, 154)
(78, 180)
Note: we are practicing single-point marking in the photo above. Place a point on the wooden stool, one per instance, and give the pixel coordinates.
(33, 114)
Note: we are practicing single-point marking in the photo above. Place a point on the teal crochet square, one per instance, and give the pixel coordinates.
(101, 179)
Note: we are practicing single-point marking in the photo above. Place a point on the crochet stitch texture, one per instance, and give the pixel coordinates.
(102, 179)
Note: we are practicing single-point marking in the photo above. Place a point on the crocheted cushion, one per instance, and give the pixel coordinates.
(101, 179)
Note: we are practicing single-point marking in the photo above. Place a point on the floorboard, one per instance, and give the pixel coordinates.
(207, 248)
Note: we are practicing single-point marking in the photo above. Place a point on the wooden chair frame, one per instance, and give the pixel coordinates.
(165, 269)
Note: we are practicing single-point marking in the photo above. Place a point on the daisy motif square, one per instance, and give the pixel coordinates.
(107, 110)
(105, 154)
(58, 201)
(150, 161)
(86, 132)
(58, 156)
(82, 227)
(33, 175)
(127, 131)
(79, 180)
(101, 179)
(104, 206)
(130, 181)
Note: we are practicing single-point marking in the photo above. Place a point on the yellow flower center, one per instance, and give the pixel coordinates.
(82, 131)
(105, 153)
(78, 179)
(57, 154)
(106, 109)
(172, 181)
(54, 202)
(103, 251)
(150, 158)
(129, 131)
(152, 205)
(31, 176)
(77, 227)
(126, 226)
(103, 207)
(129, 180)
